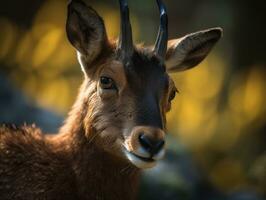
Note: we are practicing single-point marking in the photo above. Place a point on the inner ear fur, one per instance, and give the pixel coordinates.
(86, 30)
(189, 51)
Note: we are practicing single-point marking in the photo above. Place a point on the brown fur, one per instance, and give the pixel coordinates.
(70, 165)
(30, 169)
(95, 154)
(84, 160)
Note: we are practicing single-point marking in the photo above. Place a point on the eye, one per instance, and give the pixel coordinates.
(107, 83)
(172, 95)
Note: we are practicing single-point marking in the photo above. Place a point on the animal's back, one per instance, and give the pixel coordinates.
(30, 169)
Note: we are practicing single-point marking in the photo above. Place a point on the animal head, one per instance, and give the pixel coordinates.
(127, 88)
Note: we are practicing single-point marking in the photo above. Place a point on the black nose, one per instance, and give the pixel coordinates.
(151, 145)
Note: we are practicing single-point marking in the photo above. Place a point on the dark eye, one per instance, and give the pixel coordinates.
(172, 95)
(107, 83)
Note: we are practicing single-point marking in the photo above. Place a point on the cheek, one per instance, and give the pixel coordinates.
(108, 131)
(111, 141)
(111, 135)
(107, 120)
(109, 116)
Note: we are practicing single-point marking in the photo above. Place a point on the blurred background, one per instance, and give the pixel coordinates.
(218, 121)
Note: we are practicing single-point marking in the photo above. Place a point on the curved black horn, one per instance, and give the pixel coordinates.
(162, 38)
(125, 40)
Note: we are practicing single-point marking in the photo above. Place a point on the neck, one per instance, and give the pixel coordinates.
(99, 174)
(102, 176)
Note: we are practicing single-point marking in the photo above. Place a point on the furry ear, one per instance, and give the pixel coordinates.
(85, 30)
(189, 51)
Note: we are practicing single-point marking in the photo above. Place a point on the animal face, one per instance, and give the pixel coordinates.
(127, 89)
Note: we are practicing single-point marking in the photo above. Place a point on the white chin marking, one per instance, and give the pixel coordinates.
(143, 153)
(138, 162)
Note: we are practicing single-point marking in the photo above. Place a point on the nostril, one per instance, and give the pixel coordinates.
(144, 141)
(152, 146)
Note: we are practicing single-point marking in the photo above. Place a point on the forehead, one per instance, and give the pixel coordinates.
(142, 74)
(145, 70)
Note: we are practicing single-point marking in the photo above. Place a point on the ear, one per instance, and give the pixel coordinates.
(189, 51)
(85, 30)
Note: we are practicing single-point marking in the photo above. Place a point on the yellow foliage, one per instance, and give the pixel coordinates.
(56, 92)
(228, 175)
(205, 82)
(194, 111)
(254, 94)
(7, 37)
(112, 21)
(24, 50)
(247, 96)
(52, 11)
(46, 47)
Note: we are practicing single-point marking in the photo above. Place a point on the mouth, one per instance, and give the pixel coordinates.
(139, 161)
(143, 158)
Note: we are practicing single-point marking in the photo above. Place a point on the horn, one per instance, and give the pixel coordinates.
(125, 41)
(162, 38)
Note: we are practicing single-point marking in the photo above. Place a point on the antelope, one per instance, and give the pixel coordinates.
(117, 126)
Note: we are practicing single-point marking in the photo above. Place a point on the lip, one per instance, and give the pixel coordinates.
(144, 159)
(139, 161)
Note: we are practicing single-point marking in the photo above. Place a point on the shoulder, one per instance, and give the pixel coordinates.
(29, 167)
(13, 135)
(24, 129)
(20, 143)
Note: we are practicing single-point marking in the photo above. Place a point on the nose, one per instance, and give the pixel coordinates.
(151, 145)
